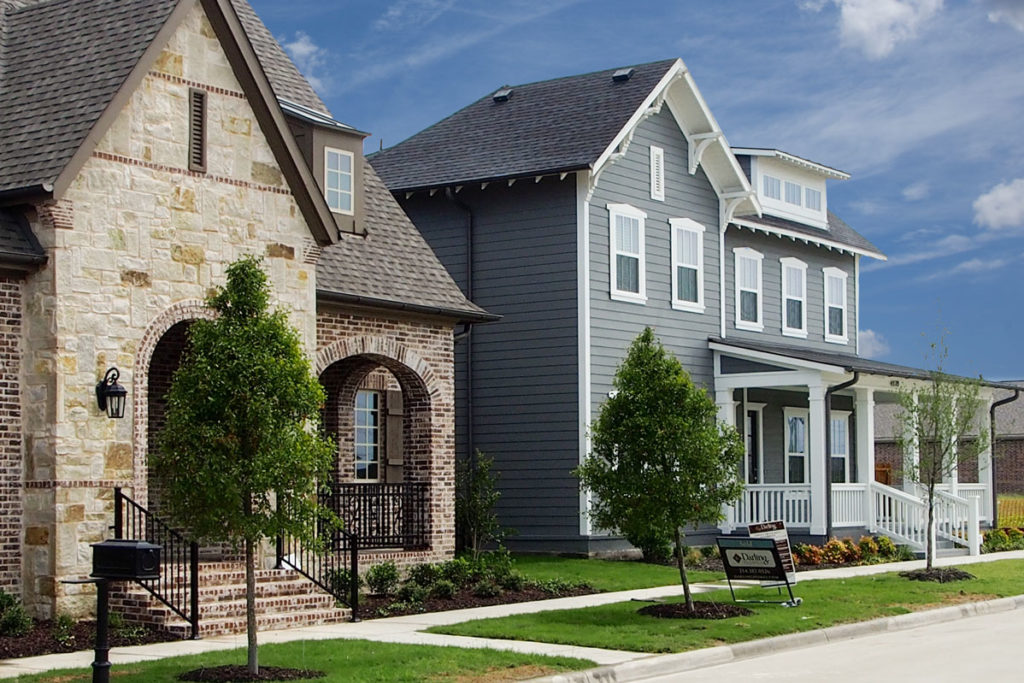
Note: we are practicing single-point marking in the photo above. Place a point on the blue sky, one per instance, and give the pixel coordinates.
(922, 101)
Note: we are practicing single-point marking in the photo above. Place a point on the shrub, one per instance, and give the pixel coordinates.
(995, 541)
(339, 580)
(904, 554)
(459, 571)
(1016, 538)
(513, 581)
(693, 557)
(486, 589)
(424, 574)
(852, 553)
(558, 586)
(709, 550)
(14, 621)
(382, 578)
(886, 548)
(443, 589)
(412, 593)
(64, 630)
(868, 548)
(130, 632)
(476, 494)
(834, 551)
(497, 564)
(807, 555)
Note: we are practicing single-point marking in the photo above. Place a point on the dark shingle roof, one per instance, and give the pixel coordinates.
(838, 231)
(557, 125)
(16, 239)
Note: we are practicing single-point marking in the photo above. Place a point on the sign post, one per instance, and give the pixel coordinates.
(755, 559)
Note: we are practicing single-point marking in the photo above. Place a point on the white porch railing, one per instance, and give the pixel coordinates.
(769, 502)
(956, 520)
(849, 505)
(977, 492)
(905, 517)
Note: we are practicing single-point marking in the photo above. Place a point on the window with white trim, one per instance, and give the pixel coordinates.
(687, 264)
(835, 305)
(628, 272)
(840, 447)
(657, 173)
(772, 187)
(748, 289)
(338, 180)
(812, 199)
(796, 445)
(793, 193)
(368, 436)
(794, 297)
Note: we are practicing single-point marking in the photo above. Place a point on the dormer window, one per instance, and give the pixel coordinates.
(812, 199)
(772, 187)
(338, 180)
(792, 193)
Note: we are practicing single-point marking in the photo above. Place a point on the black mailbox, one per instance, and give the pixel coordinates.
(125, 559)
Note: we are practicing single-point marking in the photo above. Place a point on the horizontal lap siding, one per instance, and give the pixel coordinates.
(525, 373)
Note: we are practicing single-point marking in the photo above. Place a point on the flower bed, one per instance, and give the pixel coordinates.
(846, 552)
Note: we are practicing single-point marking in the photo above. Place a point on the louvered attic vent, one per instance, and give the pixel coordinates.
(503, 95)
(196, 130)
(623, 75)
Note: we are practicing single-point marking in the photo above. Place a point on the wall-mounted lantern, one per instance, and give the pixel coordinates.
(110, 395)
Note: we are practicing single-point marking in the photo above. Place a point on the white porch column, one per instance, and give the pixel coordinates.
(726, 406)
(985, 469)
(817, 459)
(865, 418)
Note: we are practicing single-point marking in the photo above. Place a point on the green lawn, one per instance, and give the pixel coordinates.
(825, 603)
(347, 660)
(606, 575)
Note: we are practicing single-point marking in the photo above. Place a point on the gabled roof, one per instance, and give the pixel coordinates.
(839, 235)
(793, 160)
(565, 124)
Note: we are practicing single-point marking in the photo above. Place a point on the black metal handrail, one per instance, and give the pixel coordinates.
(178, 585)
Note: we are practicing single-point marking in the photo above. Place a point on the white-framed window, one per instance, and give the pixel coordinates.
(796, 445)
(657, 173)
(368, 436)
(628, 271)
(793, 193)
(839, 465)
(812, 199)
(794, 297)
(772, 187)
(338, 180)
(687, 264)
(748, 289)
(835, 305)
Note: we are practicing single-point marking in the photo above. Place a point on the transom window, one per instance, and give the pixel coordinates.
(748, 289)
(796, 445)
(772, 187)
(792, 193)
(627, 252)
(687, 264)
(368, 433)
(338, 180)
(835, 305)
(840, 447)
(794, 297)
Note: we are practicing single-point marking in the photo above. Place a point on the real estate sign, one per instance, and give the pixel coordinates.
(776, 531)
(751, 559)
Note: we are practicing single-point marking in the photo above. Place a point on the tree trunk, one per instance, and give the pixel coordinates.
(250, 607)
(929, 551)
(680, 560)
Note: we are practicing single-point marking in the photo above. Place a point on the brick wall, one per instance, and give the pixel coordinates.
(1010, 465)
(11, 511)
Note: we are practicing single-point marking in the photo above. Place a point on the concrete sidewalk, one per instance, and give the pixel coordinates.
(408, 629)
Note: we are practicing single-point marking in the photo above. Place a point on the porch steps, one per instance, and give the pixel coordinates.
(284, 599)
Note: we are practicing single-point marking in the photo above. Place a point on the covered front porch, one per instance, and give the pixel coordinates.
(793, 406)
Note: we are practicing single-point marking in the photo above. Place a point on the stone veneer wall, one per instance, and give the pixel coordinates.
(10, 435)
(134, 246)
(420, 356)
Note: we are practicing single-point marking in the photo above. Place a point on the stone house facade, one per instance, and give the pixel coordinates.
(170, 152)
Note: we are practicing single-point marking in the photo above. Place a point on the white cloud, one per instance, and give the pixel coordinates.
(917, 191)
(310, 58)
(1002, 206)
(406, 13)
(1006, 11)
(974, 266)
(876, 26)
(930, 250)
(872, 344)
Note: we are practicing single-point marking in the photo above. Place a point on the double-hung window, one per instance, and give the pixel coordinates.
(794, 297)
(840, 446)
(628, 274)
(796, 445)
(835, 305)
(748, 289)
(368, 436)
(338, 180)
(687, 264)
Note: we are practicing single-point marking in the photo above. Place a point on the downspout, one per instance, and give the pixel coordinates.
(992, 445)
(467, 334)
(828, 448)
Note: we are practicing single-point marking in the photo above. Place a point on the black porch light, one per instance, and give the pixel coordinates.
(110, 395)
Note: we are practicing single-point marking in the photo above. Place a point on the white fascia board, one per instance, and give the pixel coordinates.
(824, 170)
(830, 244)
(776, 358)
(761, 380)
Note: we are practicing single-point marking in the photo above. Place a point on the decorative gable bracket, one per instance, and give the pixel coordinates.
(623, 146)
(697, 144)
(727, 205)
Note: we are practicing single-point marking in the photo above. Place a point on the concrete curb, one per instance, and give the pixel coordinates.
(648, 667)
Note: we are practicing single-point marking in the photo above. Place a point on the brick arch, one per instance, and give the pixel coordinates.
(387, 352)
(181, 312)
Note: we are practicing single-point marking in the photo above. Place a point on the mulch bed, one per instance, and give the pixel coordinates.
(701, 610)
(938, 574)
(369, 606)
(240, 674)
(40, 640)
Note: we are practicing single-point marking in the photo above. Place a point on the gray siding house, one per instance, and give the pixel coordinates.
(583, 209)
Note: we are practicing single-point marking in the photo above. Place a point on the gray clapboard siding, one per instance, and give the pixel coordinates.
(524, 366)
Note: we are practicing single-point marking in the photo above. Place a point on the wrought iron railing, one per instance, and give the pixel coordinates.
(178, 585)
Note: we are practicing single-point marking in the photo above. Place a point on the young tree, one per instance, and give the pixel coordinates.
(940, 422)
(476, 494)
(240, 453)
(660, 460)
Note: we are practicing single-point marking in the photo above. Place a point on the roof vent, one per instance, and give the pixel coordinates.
(503, 95)
(623, 75)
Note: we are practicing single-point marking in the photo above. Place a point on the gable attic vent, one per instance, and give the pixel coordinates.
(623, 75)
(196, 130)
(503, 95)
